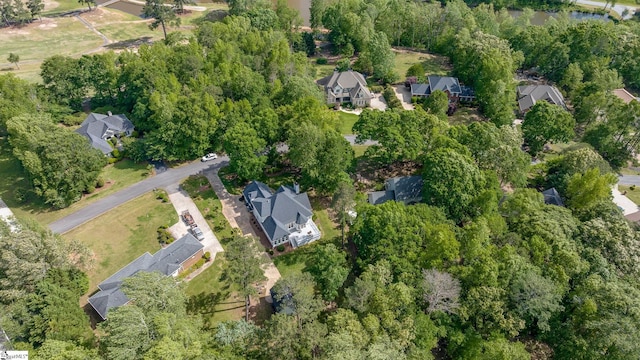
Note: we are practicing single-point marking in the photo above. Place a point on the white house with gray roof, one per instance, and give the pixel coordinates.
(346, 87)
(285, 215)
(528, 95)
(100, 128)
(169, 261)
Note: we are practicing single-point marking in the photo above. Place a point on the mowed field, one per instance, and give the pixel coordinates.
(123, 234)
(60, 32)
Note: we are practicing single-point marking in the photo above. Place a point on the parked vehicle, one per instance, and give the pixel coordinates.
(209, 156)
(188, 219)
(195, 231)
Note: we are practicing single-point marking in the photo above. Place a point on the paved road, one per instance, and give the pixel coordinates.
(352, 140)
(617, 8)
(167, 178)
(629, 180)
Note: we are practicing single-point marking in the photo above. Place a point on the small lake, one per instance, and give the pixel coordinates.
(540, 17)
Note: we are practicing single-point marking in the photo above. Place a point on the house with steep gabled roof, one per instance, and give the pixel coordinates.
(346, 87)
(100, 128)
(169, 261)
(285, 216)
(528, 95)
(624, 95)
(447, 84)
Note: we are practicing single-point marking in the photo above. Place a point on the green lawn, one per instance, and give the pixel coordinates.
(123, 234)
(297, 260)
(433, 64)
(633, 195)
(39, 40)
(628, 171)
(346, 122)
(205, 198)
(211, 296)
(13, 182)
(359, 150)
(64, 6)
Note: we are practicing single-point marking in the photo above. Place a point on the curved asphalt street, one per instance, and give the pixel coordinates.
(629, 180)
(162, 180)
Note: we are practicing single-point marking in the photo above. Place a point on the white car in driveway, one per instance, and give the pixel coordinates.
(209, 156)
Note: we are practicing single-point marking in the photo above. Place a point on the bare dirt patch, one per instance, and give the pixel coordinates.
(50, 4)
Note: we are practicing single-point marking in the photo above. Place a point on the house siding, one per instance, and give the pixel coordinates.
(192, 260)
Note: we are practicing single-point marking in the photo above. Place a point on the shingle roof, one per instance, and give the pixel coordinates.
(95, 128)
(552, 197)
(624, 95)
(166, 261)
(379, 197)
(350, 80)
(420, 89)
(276, 210)
(406, 187)
(444, 83)
(528, 95)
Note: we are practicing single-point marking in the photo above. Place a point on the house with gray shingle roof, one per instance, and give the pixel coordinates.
(285, 215)
(346, 87)
(528, 95)
(169, 261)
(100, 128)
(447, 84)
(406, 189)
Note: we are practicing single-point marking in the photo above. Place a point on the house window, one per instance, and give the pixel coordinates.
(290, 226)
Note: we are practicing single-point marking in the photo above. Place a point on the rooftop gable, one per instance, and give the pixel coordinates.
(528, 95)
(444, 83)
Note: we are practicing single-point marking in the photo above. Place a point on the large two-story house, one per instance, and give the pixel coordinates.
(346, 87)
(285, 215)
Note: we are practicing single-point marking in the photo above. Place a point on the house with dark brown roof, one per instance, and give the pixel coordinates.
(346, 87)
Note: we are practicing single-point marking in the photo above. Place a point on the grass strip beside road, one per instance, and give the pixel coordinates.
(123, 234)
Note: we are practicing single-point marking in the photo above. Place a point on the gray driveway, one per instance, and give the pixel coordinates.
(181, 202)
(167, 178)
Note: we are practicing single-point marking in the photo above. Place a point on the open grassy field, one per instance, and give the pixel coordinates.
(123, 234)
(57, 7)
(346, 122)
(41, 39)
(433, 64)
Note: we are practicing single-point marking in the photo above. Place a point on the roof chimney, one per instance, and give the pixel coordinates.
(296, 187)
(109, 113)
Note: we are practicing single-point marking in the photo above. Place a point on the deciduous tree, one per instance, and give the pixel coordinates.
(329, 268)
(546, 123)
(14, 58)
(244, 267)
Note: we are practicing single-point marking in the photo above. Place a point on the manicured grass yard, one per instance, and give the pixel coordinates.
(633, 195)
(213, 297)
(433, 64)
(346, 122)
(297, 260)
(13, 181)
(207, 201)
(359, 150)
(123, 234)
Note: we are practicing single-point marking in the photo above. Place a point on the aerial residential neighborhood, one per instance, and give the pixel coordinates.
(326, 180)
